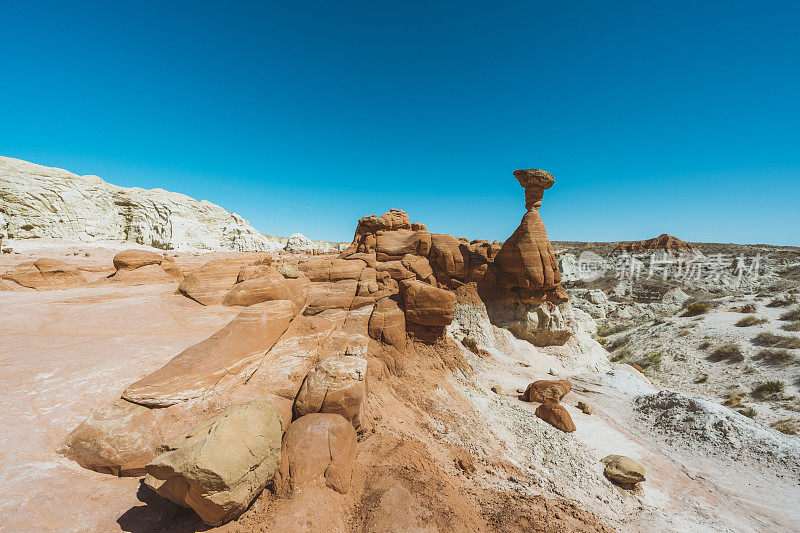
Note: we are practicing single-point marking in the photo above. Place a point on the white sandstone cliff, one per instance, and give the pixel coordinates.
(40, 201)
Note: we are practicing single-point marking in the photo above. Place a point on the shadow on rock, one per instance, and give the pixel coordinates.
(159, 515)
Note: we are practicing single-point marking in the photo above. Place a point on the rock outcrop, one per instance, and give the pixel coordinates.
(40, 201)
(335, 385)
(662, 242)
(557, 416)
(547, 390)
(622, 469)
(219, 467)
(45, 275)
(139, 267)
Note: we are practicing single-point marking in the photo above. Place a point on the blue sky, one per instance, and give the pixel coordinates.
(676, 117)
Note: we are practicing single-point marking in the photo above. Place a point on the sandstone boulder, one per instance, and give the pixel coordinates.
(326, 269)
(219, 467)
(555, 415)
(133, 259)
(318, 451)
(335, 385)
(426, 305)
(266, 283)
(623, 469)
(388, 324)
(45, 275)
(211, 282)
(547, 390)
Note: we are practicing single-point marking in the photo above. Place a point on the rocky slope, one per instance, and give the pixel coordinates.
(40, 201)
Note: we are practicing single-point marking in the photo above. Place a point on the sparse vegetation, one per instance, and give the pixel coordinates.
(776, 356)
(702, 379)
(750, 320)
(730, 351)
(471, 344)
(768, 388)
(747, 309)
(607, 330)
(705, 345)
(783, 301)
(789, 426)
(621, 356)
(733, 400)
(777, 341)
(696, 308)
(792, 326)
(749, 412)
(618, 343)
(791, 315)
(651, 360)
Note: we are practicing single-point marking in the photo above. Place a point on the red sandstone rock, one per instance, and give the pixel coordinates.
(555, 415)
(46, 275)
(318, 451)
(133, 259)
(426, 305)
(335, 385)
(210, 283)
(196, 371)
(547, 390)
(266, 284)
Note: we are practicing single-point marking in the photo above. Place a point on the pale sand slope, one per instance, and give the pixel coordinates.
(63, 354)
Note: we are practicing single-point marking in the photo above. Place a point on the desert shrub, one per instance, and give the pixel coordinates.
(789, 426)
(792, 326)
(705, 345)
(791, 272)
(606, 330)
(471, 344)
(618, 343)
(730, 351)
(749, 412)
(701, 379)
(750, 320)
(777, 341)
(651, 360)
(747, 308)
(776, 356)
(768, 388)
(733, 400)
(792, 314)
(696, 308)
(783, 301)
(621, 356)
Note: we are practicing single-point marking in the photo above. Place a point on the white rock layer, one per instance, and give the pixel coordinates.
(40, 201)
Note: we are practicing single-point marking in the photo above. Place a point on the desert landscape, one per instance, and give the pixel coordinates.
(168, 367)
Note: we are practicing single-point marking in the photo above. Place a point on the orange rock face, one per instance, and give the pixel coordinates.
(548, 390)
(210, 283)
(133, 259)
(555, 415)
(427, 305)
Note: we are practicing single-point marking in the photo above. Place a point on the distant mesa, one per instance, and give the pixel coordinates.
(662, 242)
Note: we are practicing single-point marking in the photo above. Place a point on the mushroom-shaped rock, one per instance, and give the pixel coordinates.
(318, 451)
(547, 390)
(335, 385)
(219, 467)
(528, 258)
(535, 181)
(622, 469)
(555, 415)
(427, 305)
(133, 259)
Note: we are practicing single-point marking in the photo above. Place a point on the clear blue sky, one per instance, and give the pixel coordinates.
(677, 117)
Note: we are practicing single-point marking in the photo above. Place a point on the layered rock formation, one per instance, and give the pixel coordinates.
(40, 201)
(303, 342)
(664, 242)
(44, 275)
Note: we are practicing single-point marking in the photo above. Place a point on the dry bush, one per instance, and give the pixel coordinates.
(696, 308)
(776, 357)
(789, 426)
(772, 340)
(730, 351)
(768, 388)
(750, 320)
(783, 301)
(791, 315)
(471, 344)
(792, 326)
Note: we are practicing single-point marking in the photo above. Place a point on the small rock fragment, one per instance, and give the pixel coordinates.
(622, 470)
(585, 407)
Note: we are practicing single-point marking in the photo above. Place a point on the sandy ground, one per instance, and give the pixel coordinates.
(62, 354)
